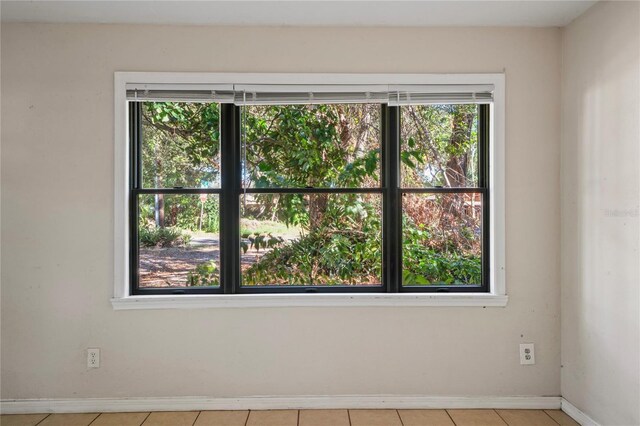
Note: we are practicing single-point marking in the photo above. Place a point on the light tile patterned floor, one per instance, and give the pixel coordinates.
(301, 418)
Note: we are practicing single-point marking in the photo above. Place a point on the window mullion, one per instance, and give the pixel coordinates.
(392, 203)
(135, 171)
(484, 136)
(229, 206)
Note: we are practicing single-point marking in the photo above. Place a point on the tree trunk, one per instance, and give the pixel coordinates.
(457, 164)
(317, 209)
(159, 210)
(318, 202)
(456, 167)
(159, 198)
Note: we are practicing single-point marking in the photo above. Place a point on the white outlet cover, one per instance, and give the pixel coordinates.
(93, 358)
(527, 354)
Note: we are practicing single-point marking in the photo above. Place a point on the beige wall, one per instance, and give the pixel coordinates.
(57, 227)
(600, 199)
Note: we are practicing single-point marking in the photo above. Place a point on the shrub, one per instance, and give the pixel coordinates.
(206, 274)
(258, 240)
(163, 237)
(424, 267)
(445, 263)
(326, 256)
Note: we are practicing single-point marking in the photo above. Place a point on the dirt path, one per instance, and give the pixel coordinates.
(170, 266)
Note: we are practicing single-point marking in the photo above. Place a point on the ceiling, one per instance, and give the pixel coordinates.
(300, 13)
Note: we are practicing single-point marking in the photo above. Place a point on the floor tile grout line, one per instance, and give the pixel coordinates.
(94, 419)
(246, 422)
(505, 422)
(400, 417)
(43, 419)
(196, 419)
(146, 417)
(298, 421)
(349, 416)
(554, 420)
(448, 414)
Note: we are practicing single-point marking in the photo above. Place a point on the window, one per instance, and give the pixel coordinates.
(311, 178)
(444, 187)
(290, 188)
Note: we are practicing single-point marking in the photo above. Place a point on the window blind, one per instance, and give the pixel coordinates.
(440, 94)
(221, 93)
(310, 94)
(266, 94)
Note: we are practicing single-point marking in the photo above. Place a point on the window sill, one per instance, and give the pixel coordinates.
(307, 300)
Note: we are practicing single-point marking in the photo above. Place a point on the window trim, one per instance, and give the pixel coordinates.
(122, 156)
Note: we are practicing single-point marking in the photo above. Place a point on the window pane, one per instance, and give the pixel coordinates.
(311, 239)
(320, 146)
(439, 146)
(180, 145)
(442, 239)
(179, 240)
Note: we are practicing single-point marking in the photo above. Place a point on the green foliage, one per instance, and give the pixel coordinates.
(211, 219)
(300, 146)
(424, 264)
(439, 145)
(187, 213)
(345, 248)
(316, 146)
(180, 144)
(248, 226)
(162, 237)
(293, 210)
(311, 145)
(324, 257)
(353, 257)
(434, 268)
(257, 241)
(206, 274)
(183, 211)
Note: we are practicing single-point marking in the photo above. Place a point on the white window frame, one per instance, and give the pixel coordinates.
(497, 295)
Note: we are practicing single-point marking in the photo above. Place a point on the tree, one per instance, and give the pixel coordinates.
(180, 148)
(311, 146)
(439, 145)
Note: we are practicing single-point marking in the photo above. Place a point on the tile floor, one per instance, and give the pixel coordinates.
(300, 418)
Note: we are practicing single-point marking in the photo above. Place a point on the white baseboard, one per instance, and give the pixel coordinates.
(87, 405)
(576, 414)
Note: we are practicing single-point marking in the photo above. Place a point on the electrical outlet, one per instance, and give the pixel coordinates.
(93, 358)
(527, 355)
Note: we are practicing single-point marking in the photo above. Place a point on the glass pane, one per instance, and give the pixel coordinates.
(320, 146)
(311, 239)
(442, 239)
(180, 145)
(179, 242)
(439, 146)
